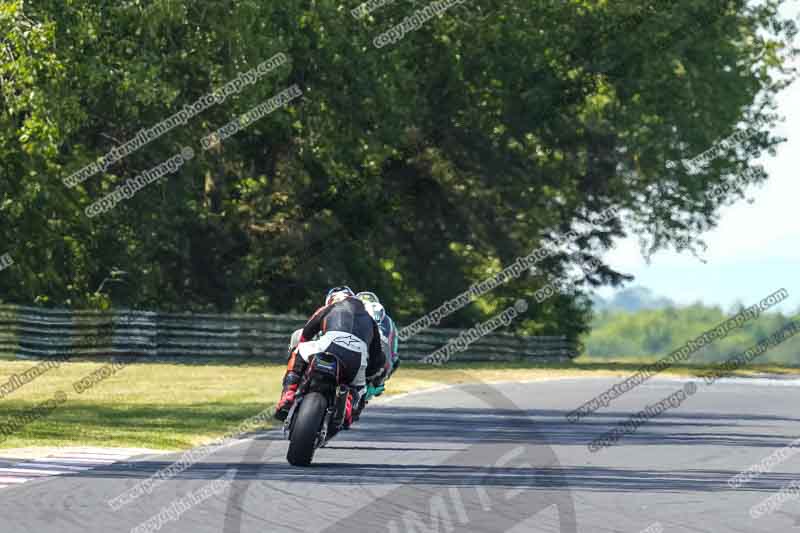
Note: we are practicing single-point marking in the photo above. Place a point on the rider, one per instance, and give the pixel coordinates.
(389, 338)
(348, 332)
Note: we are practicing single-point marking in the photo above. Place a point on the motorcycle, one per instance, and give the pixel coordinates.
(319, 409)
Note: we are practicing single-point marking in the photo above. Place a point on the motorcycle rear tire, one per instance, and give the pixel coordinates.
(305, 429)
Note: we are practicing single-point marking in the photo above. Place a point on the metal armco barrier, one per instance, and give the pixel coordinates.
(29, 332)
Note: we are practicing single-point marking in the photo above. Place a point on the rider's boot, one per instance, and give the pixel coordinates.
(294, 374)
(359, 402)
(348, 412)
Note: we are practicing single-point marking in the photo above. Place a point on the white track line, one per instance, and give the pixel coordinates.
(33, 471)
(67, 463)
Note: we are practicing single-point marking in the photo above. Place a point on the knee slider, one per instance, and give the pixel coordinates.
(292, 378)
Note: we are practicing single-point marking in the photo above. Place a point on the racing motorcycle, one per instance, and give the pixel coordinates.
(319, 408)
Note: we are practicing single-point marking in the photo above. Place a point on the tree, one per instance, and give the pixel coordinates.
(415, 170)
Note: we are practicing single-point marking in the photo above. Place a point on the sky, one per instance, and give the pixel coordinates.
(754, 250)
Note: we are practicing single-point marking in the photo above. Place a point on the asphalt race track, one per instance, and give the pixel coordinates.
(473, 458)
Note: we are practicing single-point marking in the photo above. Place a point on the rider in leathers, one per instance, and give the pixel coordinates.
(348, 332)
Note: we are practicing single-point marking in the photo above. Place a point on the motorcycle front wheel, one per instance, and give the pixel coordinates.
(305, 428)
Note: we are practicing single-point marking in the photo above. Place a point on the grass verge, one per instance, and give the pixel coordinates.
(172, 406)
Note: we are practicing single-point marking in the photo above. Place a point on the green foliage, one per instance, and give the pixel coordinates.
(415, 170)
(617, 335)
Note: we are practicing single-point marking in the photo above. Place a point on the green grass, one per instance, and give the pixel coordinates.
(173, 406)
